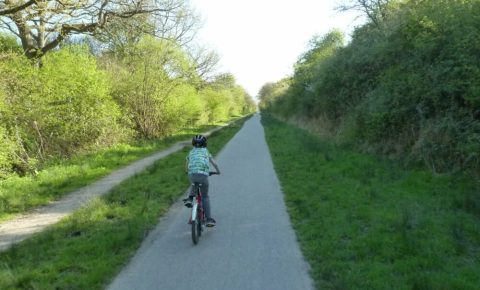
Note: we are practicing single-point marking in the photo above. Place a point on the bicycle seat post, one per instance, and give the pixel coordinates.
(197, 187)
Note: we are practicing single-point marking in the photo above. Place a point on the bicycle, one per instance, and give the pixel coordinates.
(198, 219)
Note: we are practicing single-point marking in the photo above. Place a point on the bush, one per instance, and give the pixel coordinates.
(216, 104)
(409, 83)
(58, 107)
(6, 154)
(150, 83)
(9, 44)
(75, 106)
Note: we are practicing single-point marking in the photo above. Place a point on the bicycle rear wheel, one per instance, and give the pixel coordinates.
(196, 229)
(200, 223)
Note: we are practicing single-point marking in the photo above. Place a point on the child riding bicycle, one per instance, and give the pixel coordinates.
(197, 167)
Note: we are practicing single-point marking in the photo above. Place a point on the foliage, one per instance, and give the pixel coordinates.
(56, 109)
(223, 97)
(66, 104)
(269, 92)
(155, 86)
(309, 65)
(216, 102)
(406, 88)
(145, 83)
(8, 43)
(6, 156)
(377, 11)
(74, 101)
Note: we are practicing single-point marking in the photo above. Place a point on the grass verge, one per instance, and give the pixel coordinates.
(85, 250)
(365, 223)
(20, 194)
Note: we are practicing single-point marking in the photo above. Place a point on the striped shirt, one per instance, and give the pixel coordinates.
(198, 161)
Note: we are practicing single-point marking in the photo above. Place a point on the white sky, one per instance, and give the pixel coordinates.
(259, 40)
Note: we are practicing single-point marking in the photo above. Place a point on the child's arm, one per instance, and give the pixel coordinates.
(186, 165)
(214, 165)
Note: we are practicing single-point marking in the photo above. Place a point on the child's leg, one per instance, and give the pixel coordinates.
(203, 179)
(206, 206)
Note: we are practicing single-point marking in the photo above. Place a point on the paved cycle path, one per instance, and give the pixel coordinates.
(253, 245)
(21, 228)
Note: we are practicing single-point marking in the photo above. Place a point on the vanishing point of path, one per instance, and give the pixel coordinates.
(253, 245)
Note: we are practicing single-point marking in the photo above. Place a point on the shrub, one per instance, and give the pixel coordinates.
(56, 108)
(407, 86)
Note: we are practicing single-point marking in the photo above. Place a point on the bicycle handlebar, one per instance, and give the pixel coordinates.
(210, 173)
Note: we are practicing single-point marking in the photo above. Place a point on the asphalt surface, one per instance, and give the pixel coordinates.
(253, 245)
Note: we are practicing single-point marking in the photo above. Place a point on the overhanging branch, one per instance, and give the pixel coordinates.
(12, 10)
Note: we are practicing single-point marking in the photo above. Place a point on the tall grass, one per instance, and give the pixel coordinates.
(365, 223)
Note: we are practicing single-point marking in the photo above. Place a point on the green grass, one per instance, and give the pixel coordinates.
(20, 194)
(365, 223)
(87, 249)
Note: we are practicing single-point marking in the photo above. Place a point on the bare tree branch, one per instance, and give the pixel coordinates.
(8, 25)
(205, 62)
(6, 8)
(42, 25)
(375, 10)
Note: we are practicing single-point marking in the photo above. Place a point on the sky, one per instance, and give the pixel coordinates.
(259, 41)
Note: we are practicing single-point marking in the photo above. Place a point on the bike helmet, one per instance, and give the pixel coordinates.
(199, 141)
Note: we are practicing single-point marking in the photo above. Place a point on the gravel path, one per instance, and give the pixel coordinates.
(253, 245)
(19, 229)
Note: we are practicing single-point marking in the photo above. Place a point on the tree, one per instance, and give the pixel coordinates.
(205, 62)
(8, 7)
(224, 97)
(120, 34)
(271, 91)
(405, 88)
(41, 25)
(216, 103)
(376, 10)
(224, 81)
(249, 105)
(147, 80)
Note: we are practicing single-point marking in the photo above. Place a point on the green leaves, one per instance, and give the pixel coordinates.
(9, 44)
(74, 99)
(156, 87)
(397, 79)
(143, 84)
(66, 103)
(55, 109)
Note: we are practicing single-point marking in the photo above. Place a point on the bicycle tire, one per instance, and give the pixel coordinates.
(199, 228)
(195, 227)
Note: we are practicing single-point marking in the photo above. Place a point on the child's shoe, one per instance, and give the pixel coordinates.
(211, 222)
